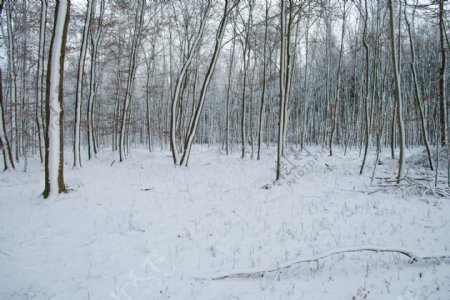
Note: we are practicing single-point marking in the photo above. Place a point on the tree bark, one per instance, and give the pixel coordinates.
(442, 75)
(282, 83)
(227, 110)
(139, 17)
(4, 142)
(246, 51)
(178, 86)
(263, 92)
(13, 80)
(40, 81)
(367, 134)
(418, 93)
(54, 136)
(198, 110)
(334, 111)
(398, 96)
(95, 42)
(79, 88)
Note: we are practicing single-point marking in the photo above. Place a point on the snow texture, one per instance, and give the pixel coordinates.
(144, 229)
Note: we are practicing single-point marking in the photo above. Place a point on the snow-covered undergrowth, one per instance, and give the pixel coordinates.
(144, 229)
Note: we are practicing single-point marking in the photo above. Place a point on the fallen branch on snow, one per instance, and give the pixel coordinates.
(259, 272)
(407, 183)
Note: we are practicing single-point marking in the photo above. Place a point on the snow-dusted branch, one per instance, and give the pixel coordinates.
(255, 272)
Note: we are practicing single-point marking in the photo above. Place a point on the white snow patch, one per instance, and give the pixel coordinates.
(140, 229)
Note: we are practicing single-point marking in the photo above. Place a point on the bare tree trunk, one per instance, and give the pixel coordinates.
(139, 17)
(289, 65)
(246, 61)
(196, 115)
(417, 93)
(24, 135)
(40, 92)
(392, 139)
(282, 88)
(442, 74)
(13, 79)
(95, 42)
(263, 92)
(305, 82)
(178, 86)
(400, 124)
(251, 110)
(79, 89)
(4, 142)
(150, 62)
(54, 136)
(227, 115)
(367, 134)
(378, 91)
(334, 110)
(116, 120)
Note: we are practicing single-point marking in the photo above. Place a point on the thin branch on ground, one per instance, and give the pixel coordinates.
(261, 271)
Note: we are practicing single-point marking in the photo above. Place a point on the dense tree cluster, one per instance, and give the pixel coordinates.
(241, 74)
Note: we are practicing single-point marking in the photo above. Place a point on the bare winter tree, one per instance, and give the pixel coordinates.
(190, 53)
(397, 80)
(12, 76)
(442, 75)
(139, 18)
(282, 87)
(54, 135)
(40, 78)
(4, 142)
(246, 52)
(96, 34)
(264, 79)
(417, 92)
(79, 90)
(228, 7)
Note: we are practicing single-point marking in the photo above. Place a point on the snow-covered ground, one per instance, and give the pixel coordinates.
(144, 229)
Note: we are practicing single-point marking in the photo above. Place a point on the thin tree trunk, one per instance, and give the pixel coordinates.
(40, 81)
(207, 80)
(4, 142)
(227, 114)
(334, 111)
(95, 42)
(442, 75)
(13, 79)
(263, 92)
(305, 82)
(246, 61)
(282, 88)
(400, 124)
(178, 86)
(418, 94)
(139, 17)
(24, 135)
(150, 71)
(79, 88)
(367, 134)
(289, 72)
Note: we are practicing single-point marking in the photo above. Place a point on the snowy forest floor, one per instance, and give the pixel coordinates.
(144, 229)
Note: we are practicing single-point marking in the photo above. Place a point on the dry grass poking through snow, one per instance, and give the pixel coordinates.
(144, 229)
